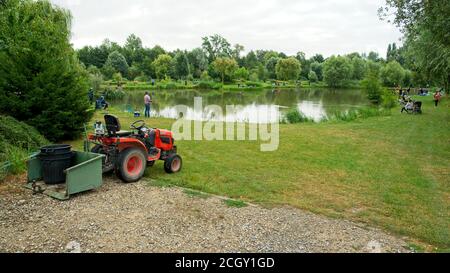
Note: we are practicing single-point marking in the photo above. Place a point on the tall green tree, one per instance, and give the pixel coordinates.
(216, 46)
(41, 79)
(392, 74)
(241, 74)
(198, 61)
(359, 68)
(337, 70)
(425, 25)
(225, 67)
(270, 66)
(318, 69)
(118, 62)
(288, 69)
(181, 65)
(162, 66)
(133, 50)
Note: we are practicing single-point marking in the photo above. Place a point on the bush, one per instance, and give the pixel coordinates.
(373, 88)
(142, 79)
(388, 99)
(41, 79)
(295, 116)
(19, 134)
(208, 85)
(254, 84)
(114, 94)
(17, 140)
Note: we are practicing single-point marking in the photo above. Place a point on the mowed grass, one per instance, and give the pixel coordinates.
(391, 172)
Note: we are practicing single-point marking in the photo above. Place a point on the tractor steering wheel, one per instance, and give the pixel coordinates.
(138, 122)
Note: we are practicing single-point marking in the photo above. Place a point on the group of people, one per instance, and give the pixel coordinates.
(409, 105)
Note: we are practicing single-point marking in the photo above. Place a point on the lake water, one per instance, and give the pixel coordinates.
(252, 106)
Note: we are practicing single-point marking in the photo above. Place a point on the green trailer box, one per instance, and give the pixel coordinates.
(85, 174)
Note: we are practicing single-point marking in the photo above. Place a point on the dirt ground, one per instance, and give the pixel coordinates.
(139, 218)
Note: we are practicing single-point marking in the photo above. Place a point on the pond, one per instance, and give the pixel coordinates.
(252, 106)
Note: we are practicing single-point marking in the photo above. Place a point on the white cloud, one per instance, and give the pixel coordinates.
(327, 26)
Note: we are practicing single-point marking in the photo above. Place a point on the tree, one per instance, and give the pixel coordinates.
(270, 66)
(41, 79)
(373, 56)
(288, 69)
(318, 69)
(318, 58)
(358, 68)
(337, 71)
(181, 66)
(118, 62)
(225, 67)
(261, 72)
(237, 49)
(392, 74)
(162, 65)
(373, 87)
(198, 61)
(133, 50)
(251, 60)
(241, 74)
(216, 46)
(134, 71)
(117, 77)
(374, 68)
(425, 25)
(95, 78)
(305, 64)
(312, 76)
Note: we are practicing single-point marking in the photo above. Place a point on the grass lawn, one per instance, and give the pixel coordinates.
(392, 172)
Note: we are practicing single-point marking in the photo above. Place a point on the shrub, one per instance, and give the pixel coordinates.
(142, 79)
(373, 88)
(295, 116)
(114, 94)
(19, 134)
(208, 85)
(17, 140)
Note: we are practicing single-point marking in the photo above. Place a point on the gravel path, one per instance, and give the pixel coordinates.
(138, 218)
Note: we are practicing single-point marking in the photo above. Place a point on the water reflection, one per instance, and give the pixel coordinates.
(255, 106)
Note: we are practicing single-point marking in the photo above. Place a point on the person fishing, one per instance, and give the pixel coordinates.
(147, 102)
(91, 95)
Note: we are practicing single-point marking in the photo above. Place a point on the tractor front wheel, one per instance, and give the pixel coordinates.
(173, 164)
(131, 165)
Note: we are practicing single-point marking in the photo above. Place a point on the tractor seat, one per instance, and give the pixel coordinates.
(113, 127)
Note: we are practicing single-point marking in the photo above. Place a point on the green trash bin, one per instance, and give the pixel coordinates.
(84, 174)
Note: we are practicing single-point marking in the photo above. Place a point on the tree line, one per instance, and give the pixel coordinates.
(216, 59)
(44, 81)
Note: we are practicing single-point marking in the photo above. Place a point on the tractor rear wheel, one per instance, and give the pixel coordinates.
(173, 164)
(131, 165)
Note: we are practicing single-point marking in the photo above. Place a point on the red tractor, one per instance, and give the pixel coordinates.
(128, 153)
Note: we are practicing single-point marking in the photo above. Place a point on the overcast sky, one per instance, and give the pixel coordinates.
(312, 26)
